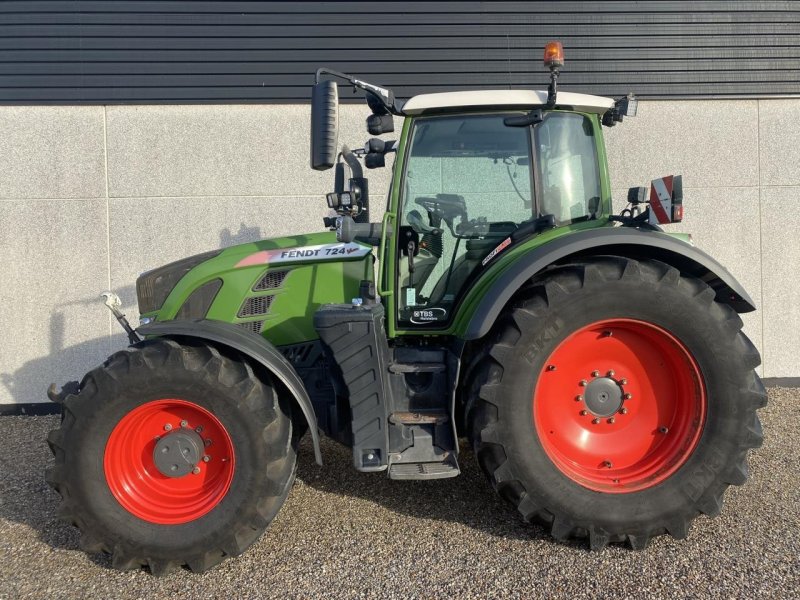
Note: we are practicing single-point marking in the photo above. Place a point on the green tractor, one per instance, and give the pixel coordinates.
(595, 363)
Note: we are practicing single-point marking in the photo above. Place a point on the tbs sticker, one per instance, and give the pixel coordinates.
(428, 315)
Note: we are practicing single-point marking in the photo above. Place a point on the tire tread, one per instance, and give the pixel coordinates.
(215, 368)
(486, 377)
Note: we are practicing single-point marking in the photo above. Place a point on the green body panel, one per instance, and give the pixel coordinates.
(468, 304)
(309, 283)
(484, 285)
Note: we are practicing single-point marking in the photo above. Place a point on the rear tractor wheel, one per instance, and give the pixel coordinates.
(172, 455)
(617, 402)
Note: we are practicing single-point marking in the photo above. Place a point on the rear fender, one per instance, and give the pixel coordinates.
(251, 345)
(616, 241)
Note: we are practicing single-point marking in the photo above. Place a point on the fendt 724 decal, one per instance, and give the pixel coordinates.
(305, 254)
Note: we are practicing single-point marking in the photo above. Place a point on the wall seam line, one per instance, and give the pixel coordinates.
(761, 240)
(232, 196)
(108, 217)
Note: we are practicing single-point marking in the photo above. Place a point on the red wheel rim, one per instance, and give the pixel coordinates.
(659, 414)
(138, 484)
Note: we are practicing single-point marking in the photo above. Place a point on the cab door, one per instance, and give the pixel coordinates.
(467, 183)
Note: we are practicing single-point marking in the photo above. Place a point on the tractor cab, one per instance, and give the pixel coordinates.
(469, 182)
(477, 174)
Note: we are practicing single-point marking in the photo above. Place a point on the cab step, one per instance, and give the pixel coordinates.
(416, 367)
(419, 418)
(425, 470)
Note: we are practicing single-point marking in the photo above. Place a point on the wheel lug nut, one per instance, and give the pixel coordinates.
(199, 429)
(628, 396)
(595, 373)
(207, 443)
(184, 423)
(167, 427)
(583, 383)
(623, 411)
(663, 429)
(195, 471)
(206, 458)
(623, 382)
(607, 464)
(595, 421)
(610, 421)
(551, 367)
(578, 398)
(584, 413)
(610, 374)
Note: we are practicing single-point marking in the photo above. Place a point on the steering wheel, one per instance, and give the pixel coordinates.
(445, 206)
(419, 225)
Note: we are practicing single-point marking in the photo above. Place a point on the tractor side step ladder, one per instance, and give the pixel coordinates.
(416, 367)
(426, 470)
(418, 418)
(415, 462)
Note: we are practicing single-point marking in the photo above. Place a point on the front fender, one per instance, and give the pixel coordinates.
(616, 241)
(251, 345)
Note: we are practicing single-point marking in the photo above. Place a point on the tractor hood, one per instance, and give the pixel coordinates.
(269, 284)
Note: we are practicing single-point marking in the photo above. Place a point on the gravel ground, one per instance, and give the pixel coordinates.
(347, 534)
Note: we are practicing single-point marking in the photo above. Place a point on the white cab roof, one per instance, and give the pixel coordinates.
(505, 98)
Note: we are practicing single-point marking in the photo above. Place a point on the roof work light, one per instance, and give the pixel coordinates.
(553, 55)
(553, 60)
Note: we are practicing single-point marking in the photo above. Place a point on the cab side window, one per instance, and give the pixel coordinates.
(568, 168)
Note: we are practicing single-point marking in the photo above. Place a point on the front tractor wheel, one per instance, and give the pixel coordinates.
(617, 402)
(172, 455)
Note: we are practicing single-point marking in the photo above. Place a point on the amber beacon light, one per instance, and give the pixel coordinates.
(553, 55)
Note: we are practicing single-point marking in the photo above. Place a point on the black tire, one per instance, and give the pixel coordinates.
(256, 419)
(500, 413)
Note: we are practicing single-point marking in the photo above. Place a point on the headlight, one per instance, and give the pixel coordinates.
(153, 287)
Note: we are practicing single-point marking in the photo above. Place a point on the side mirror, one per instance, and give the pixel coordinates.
(324, 124)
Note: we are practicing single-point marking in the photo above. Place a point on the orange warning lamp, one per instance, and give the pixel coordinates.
(553, 55)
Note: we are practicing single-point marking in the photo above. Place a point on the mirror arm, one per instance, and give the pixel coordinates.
(385, 95)
(326, 71)
(352, 162)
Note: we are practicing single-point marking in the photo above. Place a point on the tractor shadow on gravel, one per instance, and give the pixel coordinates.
(467, 499)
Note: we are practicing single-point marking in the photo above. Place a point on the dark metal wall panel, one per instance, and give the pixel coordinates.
(97, 52)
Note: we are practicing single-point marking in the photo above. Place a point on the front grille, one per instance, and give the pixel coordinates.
(258, 305)
(254, 326)
(270, 281)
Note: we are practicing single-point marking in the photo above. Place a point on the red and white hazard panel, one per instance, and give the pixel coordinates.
(666, 200)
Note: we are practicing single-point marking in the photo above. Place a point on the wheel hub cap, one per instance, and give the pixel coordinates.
(619, 405)
(169, 461)
(177, 453)
(603, 397)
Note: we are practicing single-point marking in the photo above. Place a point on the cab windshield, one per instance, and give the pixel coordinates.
(469, 184)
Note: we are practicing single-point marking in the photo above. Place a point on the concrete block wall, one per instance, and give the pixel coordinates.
(92, 196)
(740, 162)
